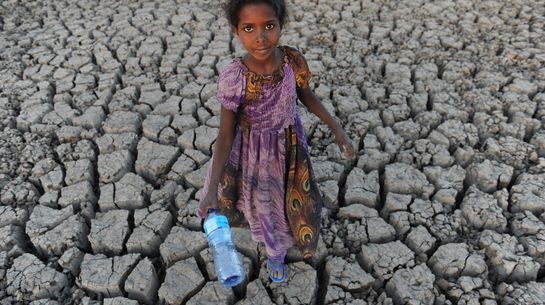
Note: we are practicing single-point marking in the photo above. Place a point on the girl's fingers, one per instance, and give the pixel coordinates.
(346, 148)
(349, 152)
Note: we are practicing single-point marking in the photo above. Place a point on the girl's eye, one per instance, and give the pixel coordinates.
(269, 26)
(248, 29)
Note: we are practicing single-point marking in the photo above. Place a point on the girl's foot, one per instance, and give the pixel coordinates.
(276, 270)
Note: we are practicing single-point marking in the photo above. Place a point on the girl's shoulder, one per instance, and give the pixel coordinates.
(232, 73)
(298, 64)
(233, 67)
(231, 85)
(291, 51)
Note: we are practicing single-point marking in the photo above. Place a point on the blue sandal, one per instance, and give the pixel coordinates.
(276, 270)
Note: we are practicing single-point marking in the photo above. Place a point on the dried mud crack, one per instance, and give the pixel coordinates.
(108, 117)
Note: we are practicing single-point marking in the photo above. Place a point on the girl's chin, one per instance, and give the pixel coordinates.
(262, 55)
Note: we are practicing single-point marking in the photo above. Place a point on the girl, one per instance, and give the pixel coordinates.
(260, 173)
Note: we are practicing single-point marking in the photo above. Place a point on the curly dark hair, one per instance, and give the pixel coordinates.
(232, 9)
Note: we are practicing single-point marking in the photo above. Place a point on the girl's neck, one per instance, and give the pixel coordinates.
(263, 67)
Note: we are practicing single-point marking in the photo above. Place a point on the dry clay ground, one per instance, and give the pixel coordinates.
(108, 114)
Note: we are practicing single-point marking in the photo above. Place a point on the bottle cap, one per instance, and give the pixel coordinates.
(211, 210)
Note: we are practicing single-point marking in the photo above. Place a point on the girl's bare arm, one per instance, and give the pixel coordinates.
(313, 104)
(222, 148)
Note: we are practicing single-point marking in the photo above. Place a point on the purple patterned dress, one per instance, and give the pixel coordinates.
(259, 148)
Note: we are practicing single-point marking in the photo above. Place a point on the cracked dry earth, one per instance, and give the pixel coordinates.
(108, 115)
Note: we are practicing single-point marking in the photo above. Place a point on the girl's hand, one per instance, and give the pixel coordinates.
(345, 145)
(210, 201)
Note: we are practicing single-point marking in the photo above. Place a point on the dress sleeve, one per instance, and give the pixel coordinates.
(299, 66)
(231, 84)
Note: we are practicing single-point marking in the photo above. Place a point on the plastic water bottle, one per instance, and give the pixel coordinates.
(227, 262)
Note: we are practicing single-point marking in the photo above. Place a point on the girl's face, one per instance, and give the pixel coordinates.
(258, 30)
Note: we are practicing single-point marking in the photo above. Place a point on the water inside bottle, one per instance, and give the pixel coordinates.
(232, 272)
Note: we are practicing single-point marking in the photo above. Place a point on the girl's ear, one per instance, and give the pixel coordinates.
(235, 30)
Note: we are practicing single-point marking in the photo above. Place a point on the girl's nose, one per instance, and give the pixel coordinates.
(261, 35)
